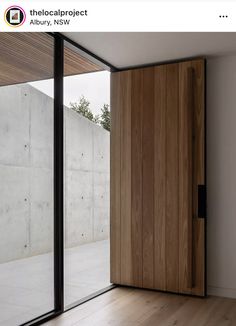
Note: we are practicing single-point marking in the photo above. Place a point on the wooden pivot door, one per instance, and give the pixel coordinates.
(158, 177)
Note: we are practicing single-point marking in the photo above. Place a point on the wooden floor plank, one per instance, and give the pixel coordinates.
(130, 307)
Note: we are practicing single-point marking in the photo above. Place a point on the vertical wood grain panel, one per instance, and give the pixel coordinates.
(160, 178)
(157, 149)
(172, 218)
(126, 245)
(185, 178)
(115, 150)
(148, 177)
(136, 176)
(199, 176)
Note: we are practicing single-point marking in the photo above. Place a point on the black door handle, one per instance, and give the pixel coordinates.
(201, 201)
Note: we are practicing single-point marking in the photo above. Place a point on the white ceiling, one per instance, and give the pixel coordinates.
(131, 49)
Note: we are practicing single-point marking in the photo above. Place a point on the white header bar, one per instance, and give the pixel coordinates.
(74, 16)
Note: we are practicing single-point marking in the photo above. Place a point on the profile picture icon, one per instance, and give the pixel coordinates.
(15, 16)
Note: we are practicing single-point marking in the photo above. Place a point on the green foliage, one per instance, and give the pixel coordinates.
(83, 108)
(105, 118)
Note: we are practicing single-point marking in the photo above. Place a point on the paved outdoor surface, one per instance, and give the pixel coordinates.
(26, 285)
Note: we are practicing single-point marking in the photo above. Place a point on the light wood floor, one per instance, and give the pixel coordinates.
(130, 307)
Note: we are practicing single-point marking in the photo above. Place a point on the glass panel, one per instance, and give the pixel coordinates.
(26, 177)
(87, 174)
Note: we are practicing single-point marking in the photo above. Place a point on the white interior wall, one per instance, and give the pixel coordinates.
(221, 175)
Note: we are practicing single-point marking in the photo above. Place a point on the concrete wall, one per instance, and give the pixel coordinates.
(87, 188)
(221, 175)
(26, 178)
